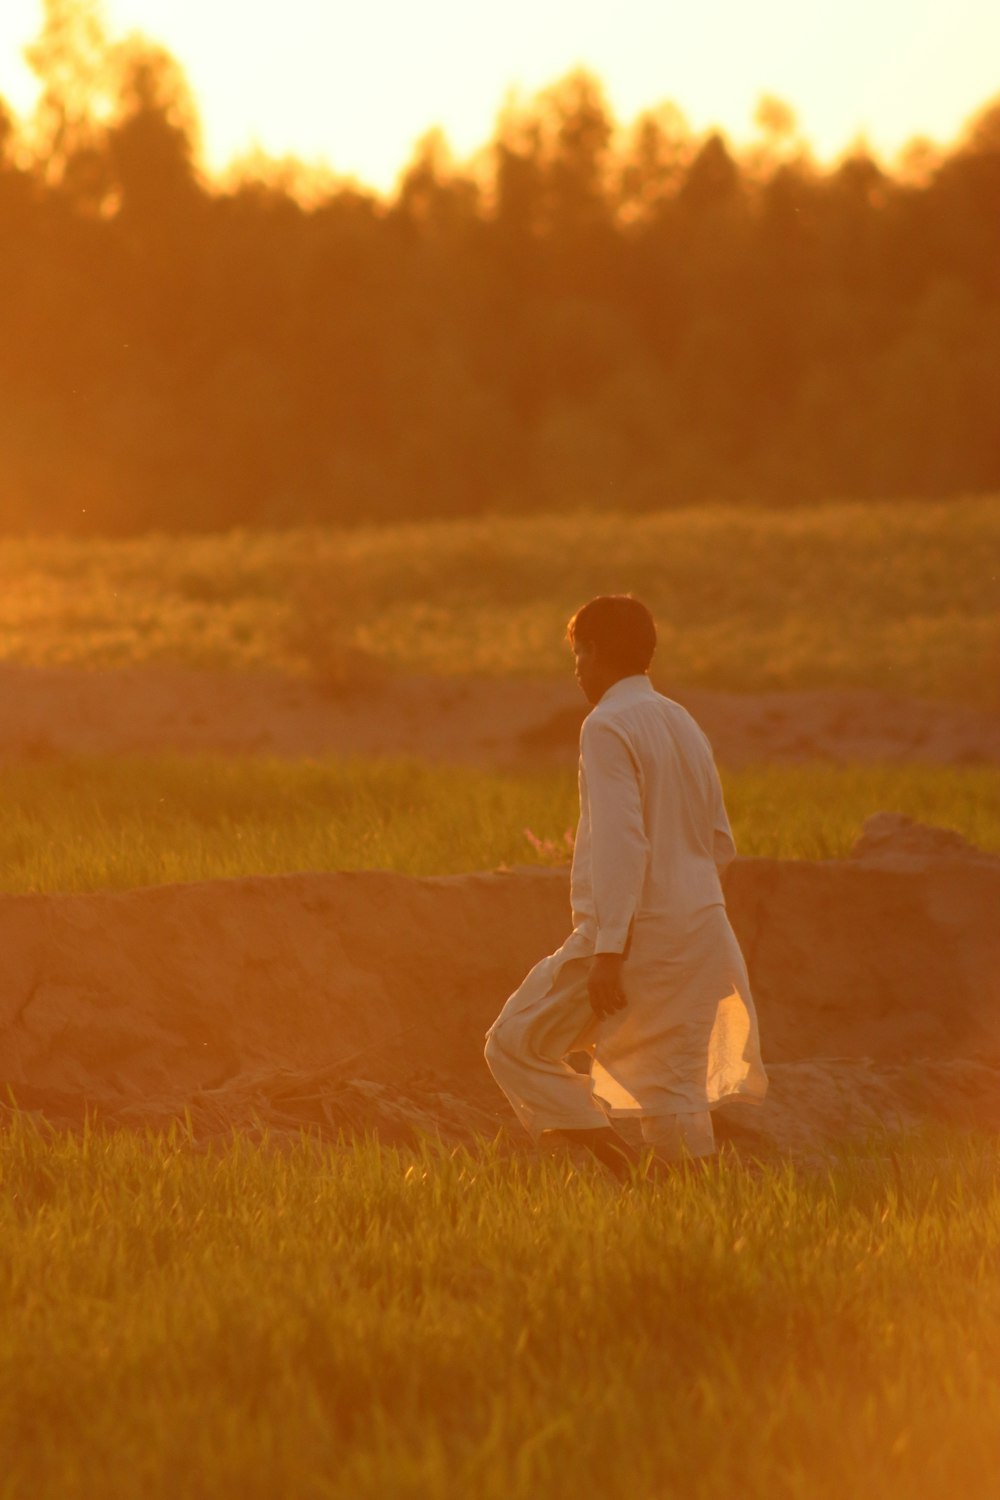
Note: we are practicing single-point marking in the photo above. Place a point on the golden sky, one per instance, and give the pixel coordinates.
(355, 82)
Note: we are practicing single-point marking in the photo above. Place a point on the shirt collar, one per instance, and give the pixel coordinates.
(628, 688)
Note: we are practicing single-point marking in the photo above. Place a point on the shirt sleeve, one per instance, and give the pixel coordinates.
(618, 844)
(724, 845)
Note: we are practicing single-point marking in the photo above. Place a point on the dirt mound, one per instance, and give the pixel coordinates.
(892, 953)
(898, 841)
(157, 993)
(344, 1001)
(815, 1104)
(475, 721)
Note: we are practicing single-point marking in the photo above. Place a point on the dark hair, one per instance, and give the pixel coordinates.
(620, 627)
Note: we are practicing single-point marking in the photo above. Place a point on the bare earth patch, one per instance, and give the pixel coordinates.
(359, 1001)
(490, 722)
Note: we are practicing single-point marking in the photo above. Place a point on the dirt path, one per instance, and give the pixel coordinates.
(485, 722)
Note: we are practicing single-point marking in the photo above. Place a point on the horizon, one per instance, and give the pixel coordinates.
(882, 82)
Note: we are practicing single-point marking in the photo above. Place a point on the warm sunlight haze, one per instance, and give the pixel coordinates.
(499, 734)
(356, 85)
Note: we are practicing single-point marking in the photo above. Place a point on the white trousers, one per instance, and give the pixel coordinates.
(527, 1048)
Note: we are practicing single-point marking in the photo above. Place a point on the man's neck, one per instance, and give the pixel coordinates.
(622, 677)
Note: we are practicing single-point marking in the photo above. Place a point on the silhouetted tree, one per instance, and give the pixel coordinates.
(583, 316)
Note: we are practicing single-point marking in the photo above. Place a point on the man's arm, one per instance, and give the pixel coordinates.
(619, 848)
(723, 846)
(618, 844)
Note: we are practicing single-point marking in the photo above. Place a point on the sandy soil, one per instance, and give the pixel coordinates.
(360, 1000)
(486, 722)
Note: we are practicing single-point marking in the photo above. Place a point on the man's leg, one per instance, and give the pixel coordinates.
(526, 1050)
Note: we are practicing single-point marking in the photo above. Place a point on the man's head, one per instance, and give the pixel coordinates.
(612, 637)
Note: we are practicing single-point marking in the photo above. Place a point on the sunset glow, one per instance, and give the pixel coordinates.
(356, 86)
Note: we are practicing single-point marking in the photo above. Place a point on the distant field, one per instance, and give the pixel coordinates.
(110, 823)
(902, 597)
(372, 1324)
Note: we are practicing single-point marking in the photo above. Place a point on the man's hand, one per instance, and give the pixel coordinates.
(604, 985)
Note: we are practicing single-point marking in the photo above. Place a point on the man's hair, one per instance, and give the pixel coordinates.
(620, 627)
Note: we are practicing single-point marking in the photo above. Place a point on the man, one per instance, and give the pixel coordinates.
(651, 982)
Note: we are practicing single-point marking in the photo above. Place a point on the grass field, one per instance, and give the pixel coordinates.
(367, 1324)
(320, 1323)
(902, 597)
(86, 824)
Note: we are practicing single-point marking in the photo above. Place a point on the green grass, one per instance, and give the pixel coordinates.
(85, 824)
(317, 1323)
(903, 597)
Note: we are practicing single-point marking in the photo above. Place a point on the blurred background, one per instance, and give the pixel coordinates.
(582, 311)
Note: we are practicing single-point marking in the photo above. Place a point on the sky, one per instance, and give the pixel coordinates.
(354, 83)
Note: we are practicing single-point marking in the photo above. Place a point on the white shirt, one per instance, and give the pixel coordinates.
(653, 836)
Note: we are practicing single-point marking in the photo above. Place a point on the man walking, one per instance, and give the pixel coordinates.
(651, 982)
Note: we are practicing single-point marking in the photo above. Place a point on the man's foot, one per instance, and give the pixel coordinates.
(607, 1146)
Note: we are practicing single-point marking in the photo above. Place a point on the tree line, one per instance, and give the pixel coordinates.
(583, 316)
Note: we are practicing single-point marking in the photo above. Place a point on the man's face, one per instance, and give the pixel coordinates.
(590, 673)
